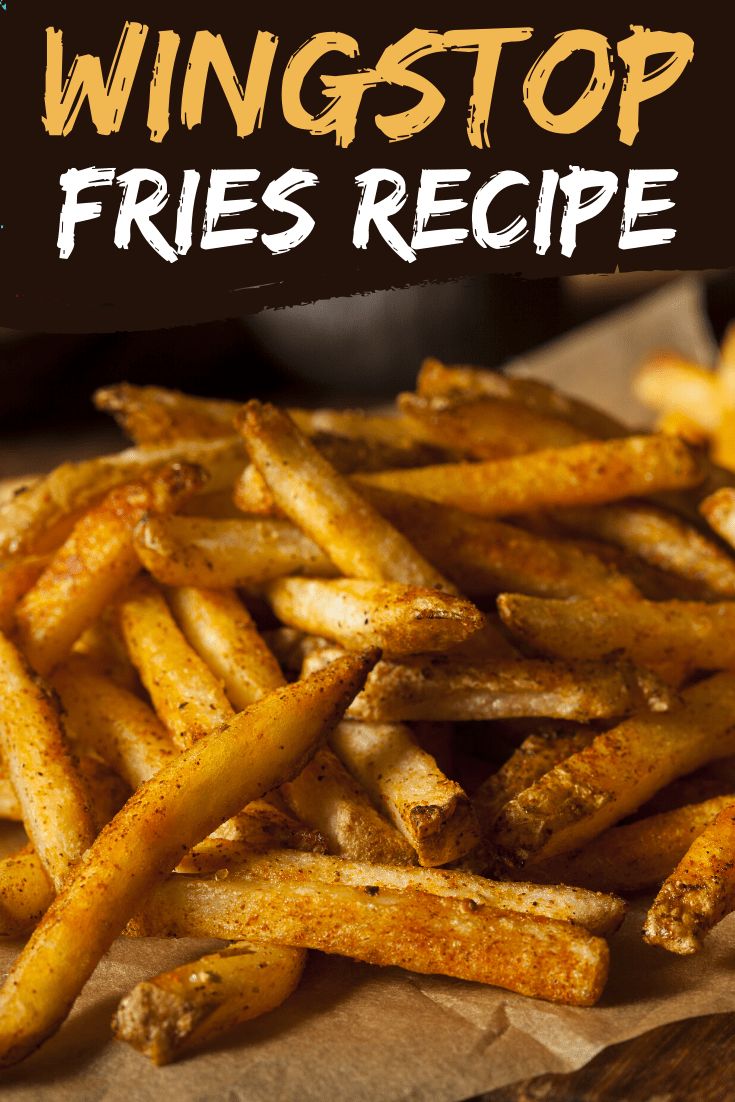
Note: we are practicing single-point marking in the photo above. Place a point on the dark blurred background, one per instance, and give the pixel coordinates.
(351, 351)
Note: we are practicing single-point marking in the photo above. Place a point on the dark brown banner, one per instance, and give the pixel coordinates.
(169, 162)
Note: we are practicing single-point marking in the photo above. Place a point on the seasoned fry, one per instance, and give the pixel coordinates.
(226, 553)
(700, 891)
(9, 806)
(583, 474)
(400, 619)
(220, 629)
(96, 561)
(263, 824)
(178, 1011)
(431, 811)
(41, 769)
(16, 578)
(257, 751)
(25, 892)
(426, 688)
(598, 786)
(387, 429)
(154, 415)
(659, 538)
(672, 637)
(423, 933)
(666, 381)
(188, 698)
(319, 500)
(325, 796)
(636, 856)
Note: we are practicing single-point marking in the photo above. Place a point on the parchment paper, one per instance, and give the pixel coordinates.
(363, 1034)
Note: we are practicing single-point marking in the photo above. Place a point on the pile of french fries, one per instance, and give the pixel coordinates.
(428, 688)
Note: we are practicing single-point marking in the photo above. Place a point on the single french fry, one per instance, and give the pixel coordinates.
(400, 619)
(48, 503)
(177, 1011)
(112, 722)
(263, 824)
(16, 578)
(26, 892)
(598, 786)
(700, 891)
(485, 557)
(327, 798)
(636, 856)
(438, 380)
(423, 933)
(155, 415)
(432, 812)
(188, 698)
(95, 562)
(222, 554)
(426, 688)
(666, 381)
(260, 749)
(222, 632)
(660, 538)
(42, 771)
(583, 474)
(319, 500)
(674, 638)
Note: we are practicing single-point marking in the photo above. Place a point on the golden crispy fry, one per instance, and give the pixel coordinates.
(96, 561)
(326, 797)
(674, 638)
(431, 811)
(486, 557)
(599, 913)
(719, 511)
(16, 578)
(486, 427)
(583, 474)
(400, 619)
(666, 381)
(178, 1011)
(25, 892)
(659, 538)
(263, 824)
(26, 520)
(107, 719)
(617, 773)
(41, 769)
(636, 856)
(220, 629)
(309, 490)
(426, 688)
(536, 755)
(700, 891)
(226, 553)
(437, 380)
(173, 811)
(154, 415)
(423, 933)
(188, 698)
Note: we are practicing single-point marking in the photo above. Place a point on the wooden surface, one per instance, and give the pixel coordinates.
(692, 1061)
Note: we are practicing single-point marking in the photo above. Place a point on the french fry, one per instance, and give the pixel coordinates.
(112, 722)
(660, 538)
(188, 698)
(319, 500)
(386, 429)
(222, 554)
(220, 629)
(438, 380)
(432, 812)
(51, 501)
(325, 796)
(42, 771)
(700, 891)
(155, 415)
(183, 803)
(16, 578)
(423, 933)
(485, 557)
(426, 688)
(95, 562)
(598, 786)
(666, 381)
(400, 619)
(263, 824)
(674, 638)
(719, 511)
(168, 1016)
(26, 892)
(636, 856)
(584, 474)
